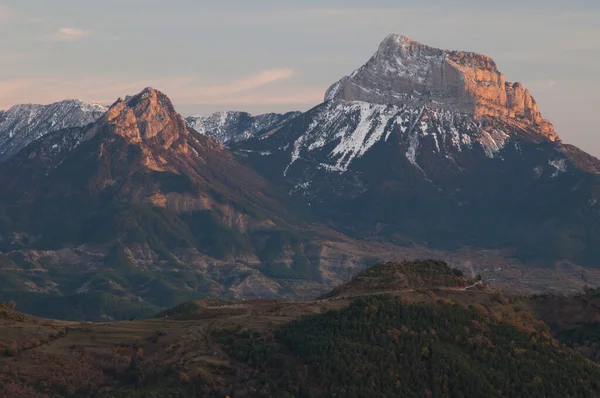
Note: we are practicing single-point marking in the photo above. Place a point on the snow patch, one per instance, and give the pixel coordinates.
(492, 142)
(354, 128)
(560, 166)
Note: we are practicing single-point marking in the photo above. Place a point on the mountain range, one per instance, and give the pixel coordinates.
(111, 212)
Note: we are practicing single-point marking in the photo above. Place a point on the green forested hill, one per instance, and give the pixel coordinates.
(380, 346)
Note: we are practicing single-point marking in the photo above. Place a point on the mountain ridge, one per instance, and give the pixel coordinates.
(23, 124)
(233, 126)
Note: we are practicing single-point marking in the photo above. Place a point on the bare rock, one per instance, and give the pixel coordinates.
(405, 72)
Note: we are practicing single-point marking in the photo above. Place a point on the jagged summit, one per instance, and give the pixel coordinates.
(147, 96)
(405, 72)
(147, 115)
(411, 48)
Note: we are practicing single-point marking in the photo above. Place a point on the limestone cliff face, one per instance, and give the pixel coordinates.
(404, 72)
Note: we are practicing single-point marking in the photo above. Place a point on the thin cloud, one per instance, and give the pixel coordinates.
(67, 35)
(194, 89)
(72, 33)
(261, 79)
(183, 90)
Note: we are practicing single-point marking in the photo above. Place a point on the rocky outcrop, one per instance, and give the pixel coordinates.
(404, 72)
(146, 117)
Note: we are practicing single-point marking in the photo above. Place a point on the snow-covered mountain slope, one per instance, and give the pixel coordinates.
(342, 132)
(23, 124)
(231, 127)
(339, 139)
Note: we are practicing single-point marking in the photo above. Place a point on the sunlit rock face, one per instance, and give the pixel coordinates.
(147, 116)
(405, 72)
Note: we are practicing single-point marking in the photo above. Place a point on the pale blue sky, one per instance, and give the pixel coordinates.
(281, 55)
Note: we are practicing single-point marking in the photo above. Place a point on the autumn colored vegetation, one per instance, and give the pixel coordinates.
(397, 329)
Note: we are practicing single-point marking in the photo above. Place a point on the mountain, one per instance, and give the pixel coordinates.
(422, 146)
(137, 212)
(231, 127)
(134, 206)
(423, 334)
(23, 124)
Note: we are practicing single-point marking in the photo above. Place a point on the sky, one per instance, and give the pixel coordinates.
(277, 55)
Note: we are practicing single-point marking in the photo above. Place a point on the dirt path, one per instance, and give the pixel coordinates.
(446, 289)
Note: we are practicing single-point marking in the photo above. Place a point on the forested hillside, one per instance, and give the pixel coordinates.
(380, 346)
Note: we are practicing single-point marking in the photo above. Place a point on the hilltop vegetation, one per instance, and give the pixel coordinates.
(395, 276)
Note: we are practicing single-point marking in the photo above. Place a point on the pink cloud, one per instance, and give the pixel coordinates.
(72, 33)
(259, 88)
(67, 34)
(258, 80)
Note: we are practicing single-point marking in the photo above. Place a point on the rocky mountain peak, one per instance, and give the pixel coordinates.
(147, 116)
(405, 72)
